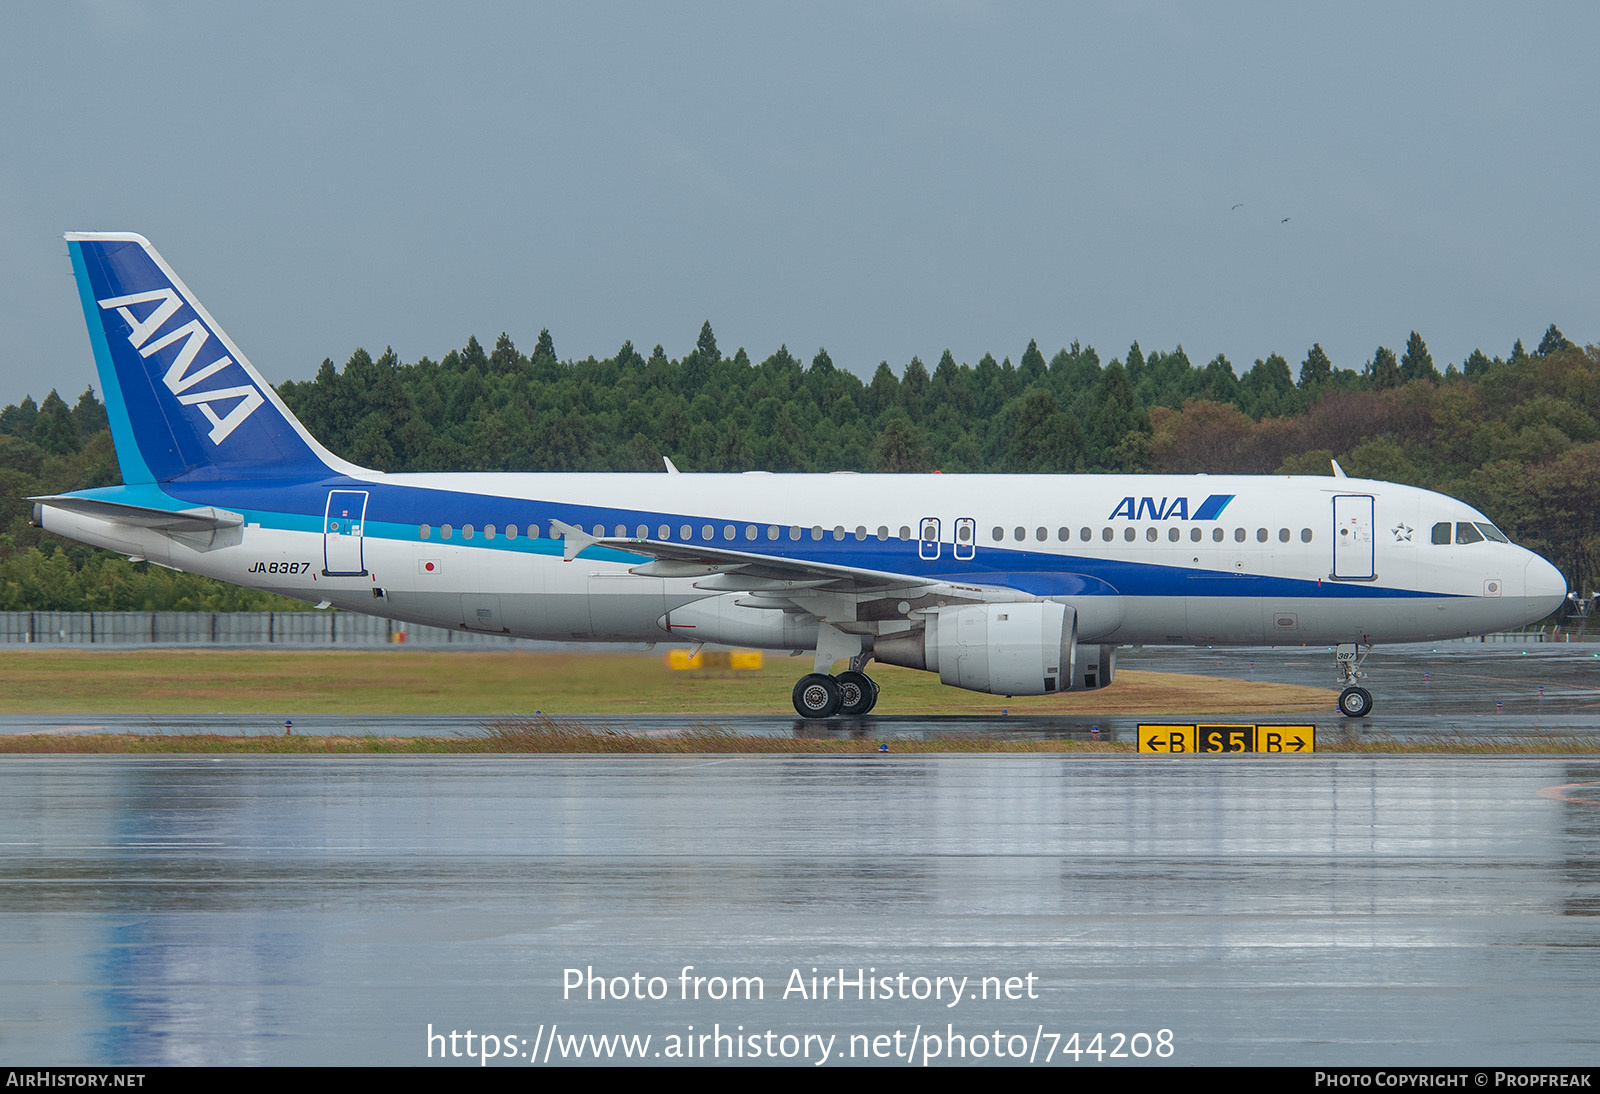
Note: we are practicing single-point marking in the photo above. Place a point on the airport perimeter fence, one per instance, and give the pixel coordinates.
(228, 629)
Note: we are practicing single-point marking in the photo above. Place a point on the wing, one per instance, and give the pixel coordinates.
(846, 594)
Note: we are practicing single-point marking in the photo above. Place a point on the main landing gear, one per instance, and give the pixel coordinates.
(1354, 702)
(851, 694)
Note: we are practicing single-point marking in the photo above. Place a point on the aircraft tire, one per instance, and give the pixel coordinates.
(1355, 702)
(817, 696)
(858, 692)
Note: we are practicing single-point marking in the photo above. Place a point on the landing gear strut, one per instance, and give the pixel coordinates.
(1354, 702)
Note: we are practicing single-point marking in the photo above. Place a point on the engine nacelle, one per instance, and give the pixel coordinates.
(1003, 649)
(722, 620)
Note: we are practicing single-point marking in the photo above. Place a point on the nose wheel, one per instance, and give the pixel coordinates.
(1354, 701)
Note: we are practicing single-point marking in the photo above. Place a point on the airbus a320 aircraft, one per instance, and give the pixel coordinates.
(1009, 584)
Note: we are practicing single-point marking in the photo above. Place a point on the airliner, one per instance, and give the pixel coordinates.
(1006, 584)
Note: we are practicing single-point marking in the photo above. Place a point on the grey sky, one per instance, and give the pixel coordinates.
(880, 179)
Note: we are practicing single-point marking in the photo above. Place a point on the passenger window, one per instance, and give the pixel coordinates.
(1238, 535)
(1041, 534)
(445, 532)
(1150, 534)
(1173, 534)
(1216, 535)
(963, 532)
(425, 531)
(794, 531)
(1128, 533)
(707, 532)
(466, 531)
(749, 531)
(1064, 534)
(1194, 535)
(664, 532)
(861, 532)
(686, 532)
(999, 535)
(488, 532)
(1085, 534)
(727, 531)
(533, 531)
(1106, 534)
(599, 531)
(883, 533)
(816, 531)
(1466, 532)
(641, 532)
(1283, 535)
(905, 532)
(1019, 534)
(1305, 535)
(1261, 535)
(838, 532)
(511, 531)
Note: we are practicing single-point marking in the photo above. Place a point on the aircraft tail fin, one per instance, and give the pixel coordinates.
(182, 400)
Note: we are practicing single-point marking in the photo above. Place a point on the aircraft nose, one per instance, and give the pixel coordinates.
(1544, 588)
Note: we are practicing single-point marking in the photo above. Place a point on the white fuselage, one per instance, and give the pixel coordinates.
(1142, 559)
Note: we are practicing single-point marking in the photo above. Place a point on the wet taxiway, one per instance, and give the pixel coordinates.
(331, 910)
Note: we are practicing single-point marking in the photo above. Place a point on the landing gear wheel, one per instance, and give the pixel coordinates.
(858, 691)
(817, 696)
(1355, 702)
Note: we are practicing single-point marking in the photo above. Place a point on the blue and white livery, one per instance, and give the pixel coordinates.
(1010, 584)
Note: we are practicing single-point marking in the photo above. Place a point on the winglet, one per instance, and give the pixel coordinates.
(672, 468)
(1338, 472)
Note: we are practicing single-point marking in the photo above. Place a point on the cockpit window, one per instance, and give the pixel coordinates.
(1441, 532)
(1467, 532)
(1491, 531)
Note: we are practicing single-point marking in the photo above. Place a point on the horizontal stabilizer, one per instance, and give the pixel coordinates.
(206, 518)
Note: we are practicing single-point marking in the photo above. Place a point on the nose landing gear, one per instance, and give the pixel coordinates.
(1354, 701)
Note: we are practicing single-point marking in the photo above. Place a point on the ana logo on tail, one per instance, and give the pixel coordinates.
(178, 378)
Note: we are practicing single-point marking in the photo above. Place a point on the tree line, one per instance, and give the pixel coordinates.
(1518, 436)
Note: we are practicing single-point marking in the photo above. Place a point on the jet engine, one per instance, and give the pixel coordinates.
(1003, 649)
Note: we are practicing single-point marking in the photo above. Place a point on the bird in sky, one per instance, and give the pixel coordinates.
(1238, 206)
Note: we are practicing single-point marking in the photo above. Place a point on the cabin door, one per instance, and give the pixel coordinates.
(1353, 558)
(343, 525)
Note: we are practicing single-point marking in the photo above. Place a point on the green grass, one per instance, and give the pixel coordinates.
(286, 683)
